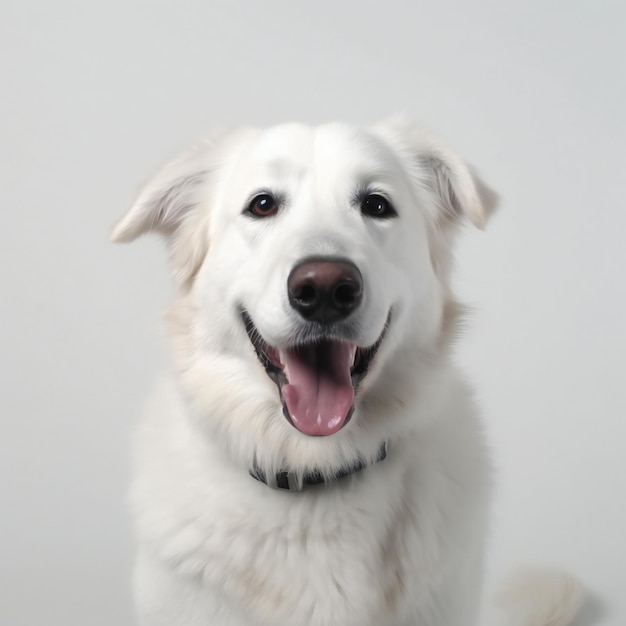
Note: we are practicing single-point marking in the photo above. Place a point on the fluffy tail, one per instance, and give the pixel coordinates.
(540, 597)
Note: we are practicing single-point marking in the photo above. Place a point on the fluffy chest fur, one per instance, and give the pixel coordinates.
(392, 544)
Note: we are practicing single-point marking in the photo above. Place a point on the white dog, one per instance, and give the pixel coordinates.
(315, 459)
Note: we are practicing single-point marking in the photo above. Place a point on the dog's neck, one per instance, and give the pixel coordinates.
(291, 481)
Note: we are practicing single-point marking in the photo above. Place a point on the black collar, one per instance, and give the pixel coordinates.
(292, 482)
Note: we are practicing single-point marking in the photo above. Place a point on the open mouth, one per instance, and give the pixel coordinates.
(317, 381)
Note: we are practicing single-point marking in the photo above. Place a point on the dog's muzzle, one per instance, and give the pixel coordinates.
(317, 374)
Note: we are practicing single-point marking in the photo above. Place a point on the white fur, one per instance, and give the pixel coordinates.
(540, 597)
(397, 544)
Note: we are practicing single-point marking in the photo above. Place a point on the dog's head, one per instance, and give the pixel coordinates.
(312, 272)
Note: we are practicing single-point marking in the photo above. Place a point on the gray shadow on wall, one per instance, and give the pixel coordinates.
(593, 611)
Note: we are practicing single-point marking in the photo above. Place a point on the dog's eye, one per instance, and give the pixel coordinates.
(263, 206)
(375, 205)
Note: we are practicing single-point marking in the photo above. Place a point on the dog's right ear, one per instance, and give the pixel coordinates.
(168, 204)
(168, 198)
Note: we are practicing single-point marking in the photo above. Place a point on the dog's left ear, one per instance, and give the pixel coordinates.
(456, 188)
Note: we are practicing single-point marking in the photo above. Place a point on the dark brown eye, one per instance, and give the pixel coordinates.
(375, 205)
(263, 205)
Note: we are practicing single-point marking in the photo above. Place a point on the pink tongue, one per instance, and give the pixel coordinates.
(319, 392)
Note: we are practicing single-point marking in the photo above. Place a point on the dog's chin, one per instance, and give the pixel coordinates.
(318, 378)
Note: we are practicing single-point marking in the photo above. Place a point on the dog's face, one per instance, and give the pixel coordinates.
(316, 249)
(312, 268)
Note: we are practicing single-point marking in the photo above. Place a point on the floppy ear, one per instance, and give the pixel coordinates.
(168, 205)
(455, 187)
(167, 198)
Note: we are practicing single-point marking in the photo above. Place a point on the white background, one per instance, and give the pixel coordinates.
(94, 96)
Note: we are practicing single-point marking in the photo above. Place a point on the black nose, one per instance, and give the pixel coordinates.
(325, 290)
